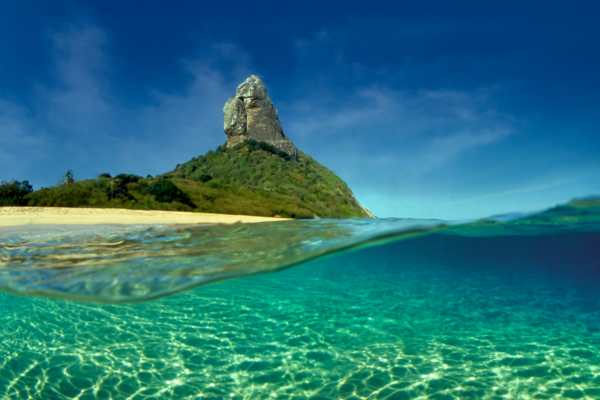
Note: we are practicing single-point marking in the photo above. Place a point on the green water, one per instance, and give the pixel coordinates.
(494, 310)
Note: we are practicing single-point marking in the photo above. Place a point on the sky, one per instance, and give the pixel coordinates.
(451, 110)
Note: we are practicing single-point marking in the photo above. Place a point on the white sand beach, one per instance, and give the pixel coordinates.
(16, 216)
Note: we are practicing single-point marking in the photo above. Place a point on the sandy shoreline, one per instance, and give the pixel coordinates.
(16, 216)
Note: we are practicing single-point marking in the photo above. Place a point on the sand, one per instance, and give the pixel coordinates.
(15, 216)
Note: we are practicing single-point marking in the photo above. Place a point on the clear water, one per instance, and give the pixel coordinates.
(357, 309)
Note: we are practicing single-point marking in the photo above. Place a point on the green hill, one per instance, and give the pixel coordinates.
(252, 178)
(255, 178)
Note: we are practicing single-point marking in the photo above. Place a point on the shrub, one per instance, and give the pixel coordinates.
(118, 188)
(14, 193)
(166, 191)
(126, 179)
(72, 195)
(205, 178)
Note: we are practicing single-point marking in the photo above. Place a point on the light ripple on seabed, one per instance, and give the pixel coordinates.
(447, 314)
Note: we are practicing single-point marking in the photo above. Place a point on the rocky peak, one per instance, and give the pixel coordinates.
(250, 115)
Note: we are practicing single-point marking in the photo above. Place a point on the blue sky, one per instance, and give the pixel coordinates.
(438, 109)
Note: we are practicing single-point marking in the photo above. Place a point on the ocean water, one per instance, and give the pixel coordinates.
(384, 309)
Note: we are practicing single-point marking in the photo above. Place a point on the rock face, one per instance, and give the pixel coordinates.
(250, 115)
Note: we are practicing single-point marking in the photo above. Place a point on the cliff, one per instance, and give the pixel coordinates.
(250, 115)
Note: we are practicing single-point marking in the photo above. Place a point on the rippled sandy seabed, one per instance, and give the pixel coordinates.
(507, 311)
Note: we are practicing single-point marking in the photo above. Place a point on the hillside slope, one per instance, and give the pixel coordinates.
(256, 178)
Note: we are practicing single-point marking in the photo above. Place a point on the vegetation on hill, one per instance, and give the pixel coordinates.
(252, 178)
(256, 178)
(121, 191)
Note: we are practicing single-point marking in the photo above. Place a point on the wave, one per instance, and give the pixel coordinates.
(121, 264)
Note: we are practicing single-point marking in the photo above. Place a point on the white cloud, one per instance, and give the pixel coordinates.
(441, 150)
(19, 141)
(416, 132)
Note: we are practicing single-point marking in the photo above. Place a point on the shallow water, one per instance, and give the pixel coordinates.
(384, 309)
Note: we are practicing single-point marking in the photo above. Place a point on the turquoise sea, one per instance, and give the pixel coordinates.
(507, 307)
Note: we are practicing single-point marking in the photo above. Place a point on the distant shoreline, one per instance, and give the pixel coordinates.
(18, 216)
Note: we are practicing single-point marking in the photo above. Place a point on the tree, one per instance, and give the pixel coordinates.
(69, 178)
(14, 193)
(166, 191)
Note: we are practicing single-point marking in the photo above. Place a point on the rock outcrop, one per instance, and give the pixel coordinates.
(250, 115)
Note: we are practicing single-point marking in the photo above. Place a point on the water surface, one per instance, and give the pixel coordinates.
(386, 309)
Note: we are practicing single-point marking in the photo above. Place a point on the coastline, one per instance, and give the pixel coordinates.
(18, 216)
